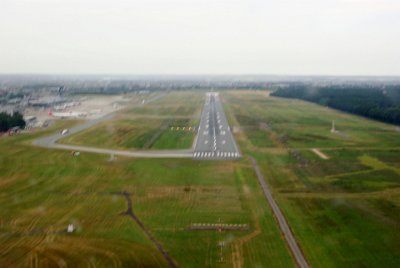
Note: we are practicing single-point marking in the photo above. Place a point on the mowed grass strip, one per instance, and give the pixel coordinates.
(139, 133)
(119, 134)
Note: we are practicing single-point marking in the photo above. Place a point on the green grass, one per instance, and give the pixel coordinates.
(175, 103)
(259, 137)
(308, 125)
(43, 190)
(344, 210)
(344, 233)
(147, 126)
(368, 182)
(174, 140)
(140, 133)
(119, 134)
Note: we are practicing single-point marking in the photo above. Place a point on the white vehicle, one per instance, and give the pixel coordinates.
(65, 131)
(70, 114)
(70, 228)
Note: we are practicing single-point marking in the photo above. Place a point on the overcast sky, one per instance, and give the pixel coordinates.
(334, 37)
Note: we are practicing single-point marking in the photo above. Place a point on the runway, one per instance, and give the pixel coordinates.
(214, 138)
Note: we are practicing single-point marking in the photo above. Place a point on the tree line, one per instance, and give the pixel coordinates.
(380, 103)
(8, 121)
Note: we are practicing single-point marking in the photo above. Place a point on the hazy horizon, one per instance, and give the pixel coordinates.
(61, 74)
(193, 37)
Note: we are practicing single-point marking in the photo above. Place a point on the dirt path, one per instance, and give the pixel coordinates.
(237, 247)
(320, 154)
(283, 225)
(132, 215)
(237, 256)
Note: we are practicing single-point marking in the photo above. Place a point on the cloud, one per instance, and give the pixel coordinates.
(392, 6)
(197, 36)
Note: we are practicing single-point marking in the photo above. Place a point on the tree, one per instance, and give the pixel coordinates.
(367, 101)
(17, 120)
(8, 121)
(4, 122)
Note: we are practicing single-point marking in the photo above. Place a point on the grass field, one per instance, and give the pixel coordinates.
(175, 103)
(344, 211)
(42, 191)
(153, 125)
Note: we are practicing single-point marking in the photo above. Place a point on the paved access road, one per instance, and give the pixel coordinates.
(283, 225)
(214, 138)
(51, 142)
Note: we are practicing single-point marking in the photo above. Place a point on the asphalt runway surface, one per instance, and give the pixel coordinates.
(214, 138)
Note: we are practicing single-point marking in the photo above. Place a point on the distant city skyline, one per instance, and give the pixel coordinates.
(310, 37)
